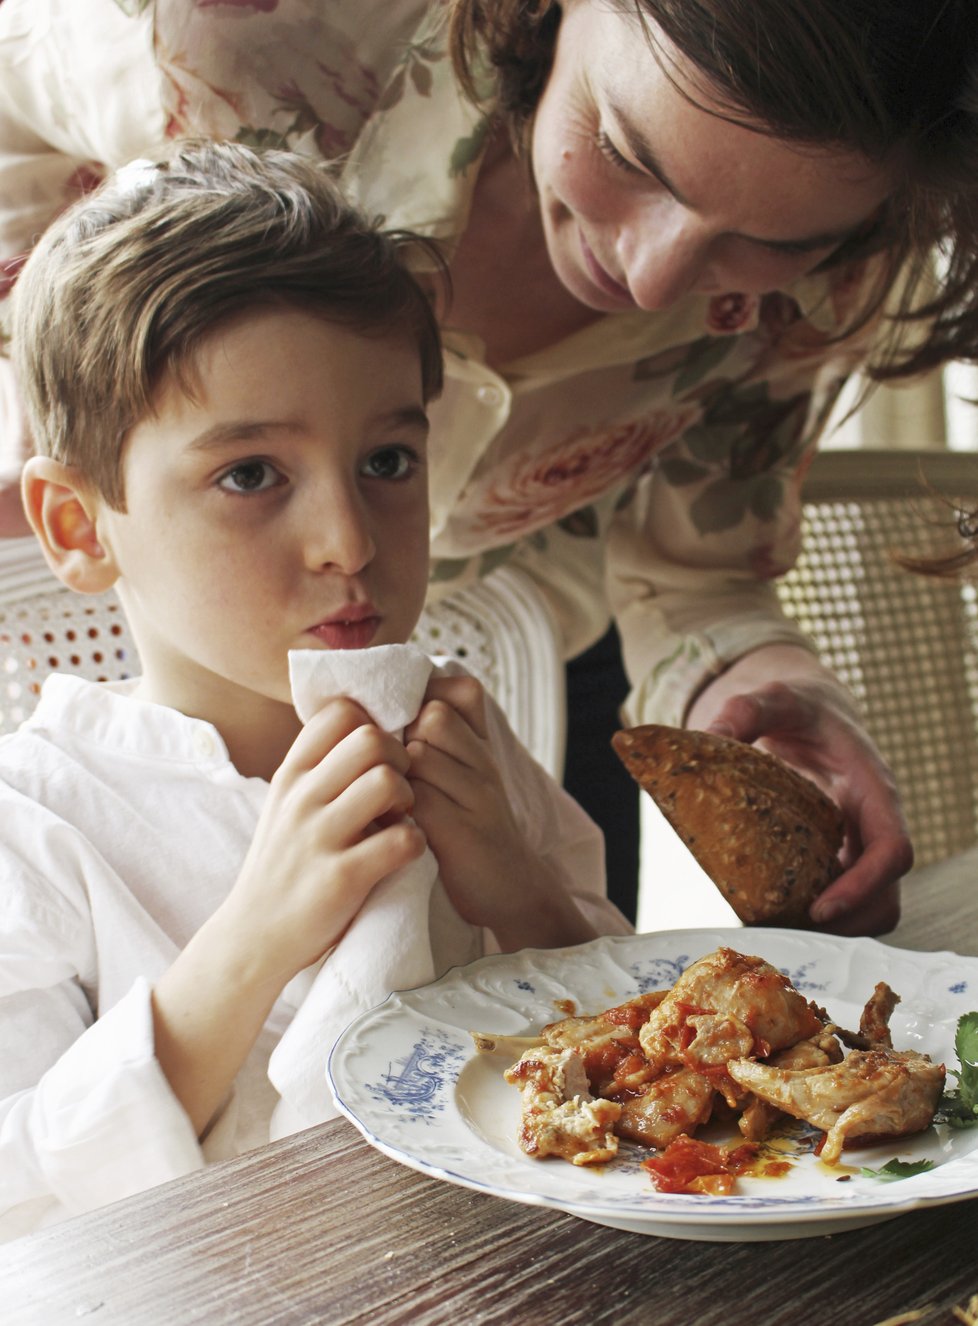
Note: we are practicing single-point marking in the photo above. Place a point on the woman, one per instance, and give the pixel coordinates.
(667, 256)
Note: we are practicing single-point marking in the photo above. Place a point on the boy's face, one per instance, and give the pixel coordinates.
(284, 508)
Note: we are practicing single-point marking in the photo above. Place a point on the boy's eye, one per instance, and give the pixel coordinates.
(391, 463)
(251, 476)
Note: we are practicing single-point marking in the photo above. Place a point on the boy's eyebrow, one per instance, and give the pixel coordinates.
(645, 155)
(247, 430)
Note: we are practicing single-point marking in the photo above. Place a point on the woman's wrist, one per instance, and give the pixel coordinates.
(785, 663)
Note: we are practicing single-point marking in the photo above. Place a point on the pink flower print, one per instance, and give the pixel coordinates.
(730, 313)
(536, 490)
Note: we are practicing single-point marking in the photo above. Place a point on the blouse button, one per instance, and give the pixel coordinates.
(489, 395)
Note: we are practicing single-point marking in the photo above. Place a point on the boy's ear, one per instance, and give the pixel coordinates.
(62, 508)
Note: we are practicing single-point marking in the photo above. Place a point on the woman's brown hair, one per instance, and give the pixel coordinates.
(890, 79)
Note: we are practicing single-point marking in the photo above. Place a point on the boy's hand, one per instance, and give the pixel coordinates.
(460, 802)
(335, 823)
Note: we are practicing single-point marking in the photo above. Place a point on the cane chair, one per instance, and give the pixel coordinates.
(905, 644)
(500, 629)
(45, 628)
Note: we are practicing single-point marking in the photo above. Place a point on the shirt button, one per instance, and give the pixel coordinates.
(489, 395)
(204, 744)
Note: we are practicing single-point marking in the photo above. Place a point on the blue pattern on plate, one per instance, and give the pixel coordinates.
(416, 1084)
(659, 973)
(799, 977)
(959, 987)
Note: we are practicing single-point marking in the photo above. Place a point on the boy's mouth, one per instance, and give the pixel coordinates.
(351, 627)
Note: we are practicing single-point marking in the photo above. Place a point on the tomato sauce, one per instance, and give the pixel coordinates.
(689, 1166)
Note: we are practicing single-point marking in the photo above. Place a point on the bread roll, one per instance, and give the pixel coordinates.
(767, 837)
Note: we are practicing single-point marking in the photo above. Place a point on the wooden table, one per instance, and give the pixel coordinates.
(320, 1228)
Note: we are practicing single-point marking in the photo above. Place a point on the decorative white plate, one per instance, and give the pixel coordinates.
(407, 1074)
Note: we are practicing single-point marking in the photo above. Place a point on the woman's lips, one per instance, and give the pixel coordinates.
(353, 627)
(601, 278)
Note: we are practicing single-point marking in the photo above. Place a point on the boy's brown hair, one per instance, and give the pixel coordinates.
(121, 290)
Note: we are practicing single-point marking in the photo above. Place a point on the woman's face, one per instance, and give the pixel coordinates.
(645, 197)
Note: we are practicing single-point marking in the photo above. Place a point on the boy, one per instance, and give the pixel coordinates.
(227, 372)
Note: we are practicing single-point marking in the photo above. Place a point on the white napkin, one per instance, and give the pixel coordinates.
(406, 934)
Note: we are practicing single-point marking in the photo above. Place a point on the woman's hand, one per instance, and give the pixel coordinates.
(782, 698)
(490, 874)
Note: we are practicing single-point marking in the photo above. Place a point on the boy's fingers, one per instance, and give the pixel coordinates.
(458, 781)
(386, 850)
(336, 720)
(381, 794)
(463, 694)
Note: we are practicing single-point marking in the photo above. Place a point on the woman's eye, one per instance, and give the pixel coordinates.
(251, 476)
(608, 150)
(391, 463)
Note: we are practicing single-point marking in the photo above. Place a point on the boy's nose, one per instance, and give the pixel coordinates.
(338, 534)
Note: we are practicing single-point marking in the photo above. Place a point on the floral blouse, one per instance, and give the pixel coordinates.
(648, 465)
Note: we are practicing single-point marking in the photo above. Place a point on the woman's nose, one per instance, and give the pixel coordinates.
(664, 255)
(337, 532)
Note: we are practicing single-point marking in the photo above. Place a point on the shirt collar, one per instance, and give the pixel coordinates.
(109, 716)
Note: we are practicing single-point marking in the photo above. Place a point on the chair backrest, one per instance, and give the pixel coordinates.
(45, 628)
(504, 632)
(905, 644)
(501, 629)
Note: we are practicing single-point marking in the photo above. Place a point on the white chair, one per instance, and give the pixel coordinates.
(501, 629)
(504, 632)
(45, 628)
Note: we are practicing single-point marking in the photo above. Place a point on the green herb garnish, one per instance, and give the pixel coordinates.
(959, 1106)
(898, 1169)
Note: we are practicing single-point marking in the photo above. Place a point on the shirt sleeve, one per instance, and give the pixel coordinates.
(694, 549)
(556, 828)
(86, 1114)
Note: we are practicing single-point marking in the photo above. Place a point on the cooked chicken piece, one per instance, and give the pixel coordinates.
(559, 1117)
(874, 1021)
(608, 1044)
(606, 1037)
(738, 989)
(677, 1102)
(622, 1020)
(717, 1037)
(869, 1095)
(759, 1116)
